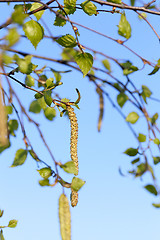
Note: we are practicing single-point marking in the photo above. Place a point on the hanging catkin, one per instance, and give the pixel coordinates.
(74, 136)
(64, 217)
(74, 198)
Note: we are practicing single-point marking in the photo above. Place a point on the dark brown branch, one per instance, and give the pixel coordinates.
(122, 6)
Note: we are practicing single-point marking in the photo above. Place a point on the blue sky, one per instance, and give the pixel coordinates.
(110, 206)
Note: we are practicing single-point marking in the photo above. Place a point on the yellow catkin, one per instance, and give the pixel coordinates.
(74, 198)
(101, 108)
(74, 136)
(3, 121)
(64, 217)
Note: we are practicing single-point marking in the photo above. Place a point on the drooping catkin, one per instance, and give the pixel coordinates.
(64, 218)
(74, 136)
(74, 198)
(101, 108)
(3, 121)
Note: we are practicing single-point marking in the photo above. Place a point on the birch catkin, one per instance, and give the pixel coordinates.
(74, 198)
(3, 121)
(64, 217)
(74, 136)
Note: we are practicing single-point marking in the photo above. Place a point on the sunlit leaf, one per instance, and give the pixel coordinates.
(121, 99)
(45, 172)
(106, 64)
(33, 31)
(70, 6)
(29, 81)
(115, 1)
(18, 16)
(132, 117)
(58, 20)
(85, 62)
(77, 183)
(20, 157)
(89, 8)
(69, 167)
(48, 98)
(12, 223)
(50, 113)
(38, 14)
(12, 126)
(35, 107)
(12, 37)
(124, 28)
(44, 182)
(141, 137)
(67, 41)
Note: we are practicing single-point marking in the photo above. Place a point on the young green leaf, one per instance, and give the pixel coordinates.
(77, 183)
(154, 118)
(124, 28)
(115, 1)
(50, 113)
(60, 22)
(132, 2)
(141, 137)
(34, 32)
(69, 167)
(44, 182)
(146, 93)
(135, 160)
(38, 95)
(29, 81)
(156, 205)
(20, 157)
(132, 117)
(131, 152)
(38, 14)
(67, 41)
(48, 98)
(142, 16)
(45, 172)
(121, 99)
(12, 126)
(24, 65)
(35, 107)
(70, 6)
(128, 68)
(49, 82)
(89, 8)
(1, 235)
(150, 188)
(106, 64)
(12, 37)
(18, 15)
(141, 169)
(156, 141)
(85, 62)
(156, 160)
(12, 223)
(64, 218)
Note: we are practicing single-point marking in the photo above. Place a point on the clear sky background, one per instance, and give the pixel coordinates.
(110, 206)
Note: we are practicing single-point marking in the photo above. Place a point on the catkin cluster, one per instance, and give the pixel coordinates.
(74, 198)
(74, 136)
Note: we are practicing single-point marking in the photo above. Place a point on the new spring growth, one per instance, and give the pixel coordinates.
(74, 136)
